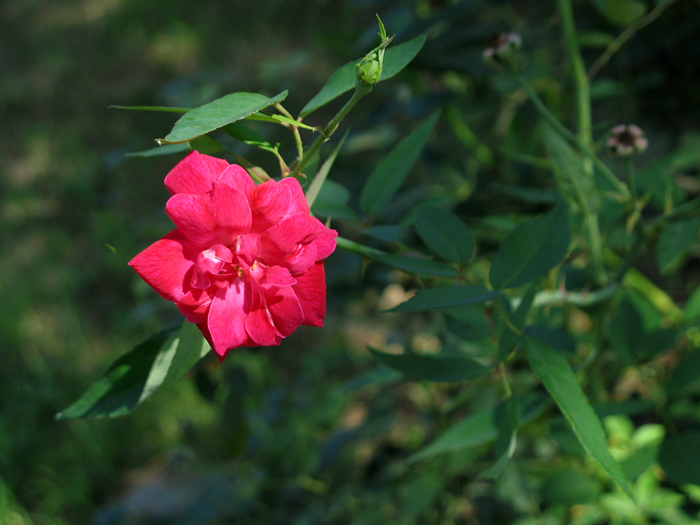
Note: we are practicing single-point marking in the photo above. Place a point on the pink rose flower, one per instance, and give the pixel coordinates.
(245, 262)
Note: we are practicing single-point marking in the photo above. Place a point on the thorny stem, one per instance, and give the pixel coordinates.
(623, 37)
(328, 131)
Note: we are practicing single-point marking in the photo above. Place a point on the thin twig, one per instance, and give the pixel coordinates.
(623, 37)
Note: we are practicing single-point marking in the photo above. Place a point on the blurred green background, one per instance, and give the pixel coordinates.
(295, 434)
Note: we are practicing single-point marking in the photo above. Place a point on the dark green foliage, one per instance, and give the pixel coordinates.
(489, 407)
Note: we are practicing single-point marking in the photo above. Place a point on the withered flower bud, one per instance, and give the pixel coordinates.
(624, 141)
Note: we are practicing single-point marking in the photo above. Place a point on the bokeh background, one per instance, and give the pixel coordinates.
(312, 431)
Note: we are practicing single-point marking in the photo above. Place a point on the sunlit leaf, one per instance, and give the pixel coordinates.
(156, 363)
(217, 114)
(343, 80)
(445, 368)
(558, 378)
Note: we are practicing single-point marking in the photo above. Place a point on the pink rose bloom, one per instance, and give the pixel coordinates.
(245, 262)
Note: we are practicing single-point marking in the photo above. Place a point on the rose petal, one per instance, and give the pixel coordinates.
(247, 248)
(287, 244)
(325, 242)
(310, 289)
(231, 212)
(276, 276)
(194, 174)
(271, 204)
(237, 177)
(167, 264)
(298, 203)
(227, 315)
(285, 309)
(191, 215)
(210, 261)
(259, 322)
(195, 304)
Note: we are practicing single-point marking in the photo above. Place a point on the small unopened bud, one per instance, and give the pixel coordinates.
(369, 70)
(626, 140)
(502, 48)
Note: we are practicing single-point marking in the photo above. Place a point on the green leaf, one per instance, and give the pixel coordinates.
(687, 371)
(479, 429)
(156, 363)
(445, 234)
(384, 232)
(575, 185)
(168, 149)
(406, 263)
(392, 171)
(531, 249)
(436, 367)
(679, 457)
(469, 323)
(691, 310)
(595, 39)
(324, 208)
(217, 114)
(205, 145)
(418, 265)
(162, 109)
(249, 136)
(570, 487)
(508, 338)
(343, 80)
(445, 297)
(559, 379)
(332, 200)
(524, 193)
(675, 241)
(508, 420)
(320, 178)
(622, 12)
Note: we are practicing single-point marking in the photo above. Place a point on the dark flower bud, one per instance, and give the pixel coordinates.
(624, 141)
(502, 48)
